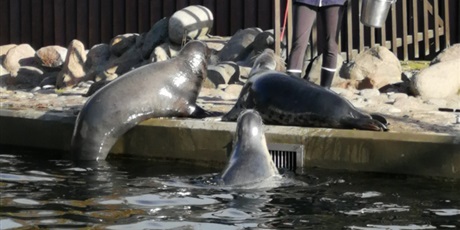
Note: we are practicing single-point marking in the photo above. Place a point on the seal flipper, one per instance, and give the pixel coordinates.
(199, 112)
(363, 123)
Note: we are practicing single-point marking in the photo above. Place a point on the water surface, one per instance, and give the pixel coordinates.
(139, 194)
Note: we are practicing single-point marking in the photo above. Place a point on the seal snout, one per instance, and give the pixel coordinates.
(249, 123)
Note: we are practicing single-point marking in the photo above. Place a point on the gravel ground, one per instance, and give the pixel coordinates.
(405, 114)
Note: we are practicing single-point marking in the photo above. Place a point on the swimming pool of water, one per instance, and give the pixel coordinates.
(139, 194)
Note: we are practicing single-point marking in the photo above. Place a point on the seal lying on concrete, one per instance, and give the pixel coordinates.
(282, 99)
(162, 89)
(250, 161)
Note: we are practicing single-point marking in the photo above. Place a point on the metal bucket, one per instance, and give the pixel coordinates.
(375, 12)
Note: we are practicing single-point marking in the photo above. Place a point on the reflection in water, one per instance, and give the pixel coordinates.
(124, 193)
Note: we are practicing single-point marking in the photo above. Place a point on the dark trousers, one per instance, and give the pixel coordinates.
(304, 17)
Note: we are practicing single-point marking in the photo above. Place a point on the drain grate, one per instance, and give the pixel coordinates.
(287, 156)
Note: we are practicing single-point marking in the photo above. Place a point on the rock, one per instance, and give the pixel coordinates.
(97, 56)
(441, 80)
(373, 68)
(73, 69)
(116, 67)
(237, 46)
(49, 79)
(191, 22)
(28, 76)
(121, 43)
(447, 54)
(157, 35)
(51, 56)
(224, 73)
(18, 56)
(369, 93)
(314, 71)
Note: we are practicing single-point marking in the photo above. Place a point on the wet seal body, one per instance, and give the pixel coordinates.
(162, 89)
(282, 99)
(250, 161)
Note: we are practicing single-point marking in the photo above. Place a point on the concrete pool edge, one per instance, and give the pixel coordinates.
(206, 142)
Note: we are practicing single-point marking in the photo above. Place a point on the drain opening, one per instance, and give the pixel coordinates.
(287, 156)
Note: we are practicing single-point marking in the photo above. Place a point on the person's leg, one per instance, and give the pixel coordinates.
(331, 21)
(304, 18)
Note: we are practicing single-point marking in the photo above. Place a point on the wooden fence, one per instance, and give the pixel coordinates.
(409, 30)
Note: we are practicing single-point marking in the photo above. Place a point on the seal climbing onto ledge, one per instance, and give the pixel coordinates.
(282, 99)
(250, 161)
(162, 89)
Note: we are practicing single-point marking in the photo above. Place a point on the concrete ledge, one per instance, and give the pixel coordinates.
(208, 142)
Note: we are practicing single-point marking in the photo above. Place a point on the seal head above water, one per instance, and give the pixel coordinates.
(162, 89)
(250, 161)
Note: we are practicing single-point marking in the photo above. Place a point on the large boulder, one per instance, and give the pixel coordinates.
(447, 54)
(17, 57)
(73, 69)
(51, 56)
(237, 48)
(191, 22)
(373, 68)
(122, 43)
(441, 80)
(157, 35)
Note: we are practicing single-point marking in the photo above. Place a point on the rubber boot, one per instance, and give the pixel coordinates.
(326, 78)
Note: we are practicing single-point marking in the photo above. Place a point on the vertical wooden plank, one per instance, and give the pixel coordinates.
(447, 23)
(394, 25)
(349, 32)
(48, 22)
(361, 30)
(383, 37)
(415, 32)
(210, 4)
(106, 20)
(144, 16)
(15, 21)
(94, 20)
(118, 17)
(26, 19)
(426, 38)
(37, 24)
(180, 4)
(156, 11)
(264, 14)
(59, 22)
(405, 30)
(277, 27)
(372, 31)
(196, 2)
(4, 18)
(250, 14)
(131, 16)
(222, 20)
(70, 21)
(236, 20)
(82, 21)
(290, 27)
(169, 7)
(436, 25)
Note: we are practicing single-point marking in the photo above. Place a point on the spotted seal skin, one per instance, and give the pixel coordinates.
(250, 161)
(162, 89)
(282, 99)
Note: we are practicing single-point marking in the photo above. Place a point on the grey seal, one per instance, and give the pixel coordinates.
(250, 161)
(282, 99)
(161, 89)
